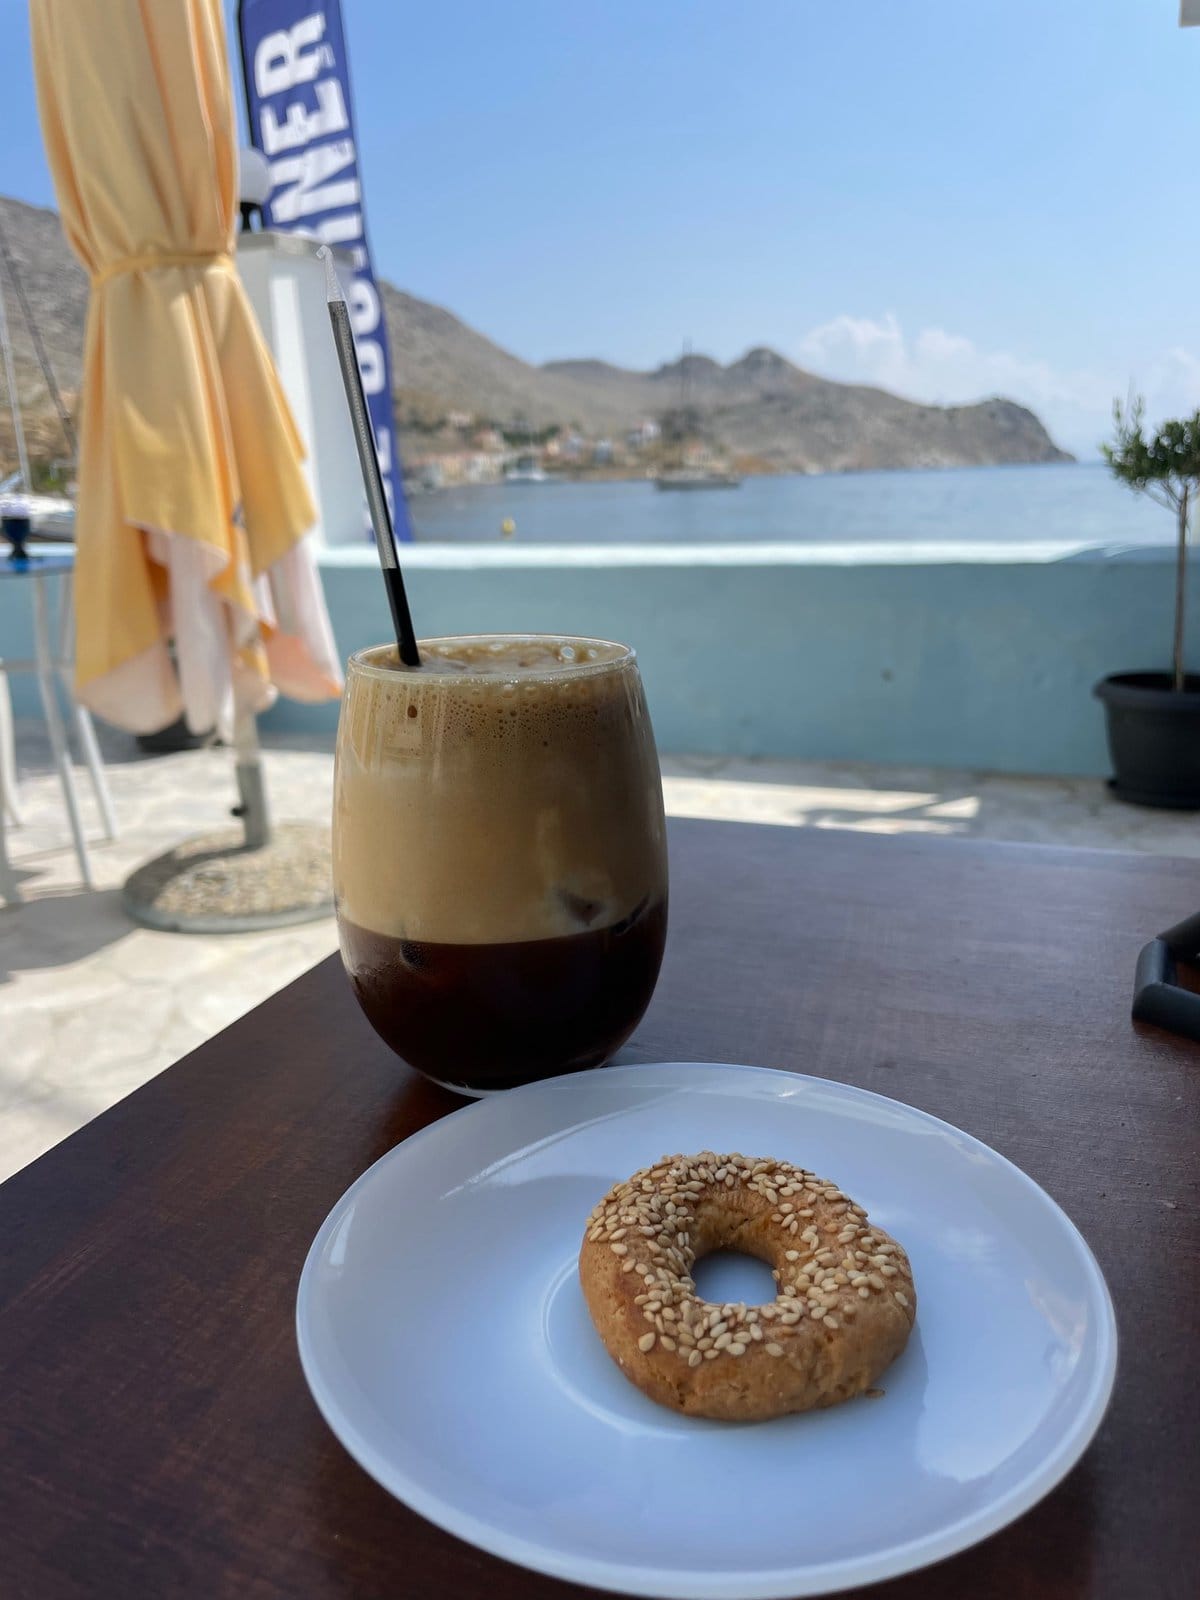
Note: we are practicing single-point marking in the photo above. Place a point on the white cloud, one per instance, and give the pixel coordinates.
(945, 368)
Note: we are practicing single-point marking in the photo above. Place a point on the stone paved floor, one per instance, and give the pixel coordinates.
(91, 1006)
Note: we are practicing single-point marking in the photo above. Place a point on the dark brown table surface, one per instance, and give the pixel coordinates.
(156, 1435)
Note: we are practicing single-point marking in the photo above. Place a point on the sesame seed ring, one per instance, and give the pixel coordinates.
(842, 1314)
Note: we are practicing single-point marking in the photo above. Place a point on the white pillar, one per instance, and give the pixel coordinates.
(286, 286)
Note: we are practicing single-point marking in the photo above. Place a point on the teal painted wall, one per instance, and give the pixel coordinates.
(962, 657)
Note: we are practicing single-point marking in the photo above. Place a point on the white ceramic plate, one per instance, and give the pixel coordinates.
(445, 1338)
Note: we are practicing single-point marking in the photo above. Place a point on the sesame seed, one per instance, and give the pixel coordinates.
(901, 1297)
(774, 1349)
(619, 1249)
(646, 1342)
(695, 1359)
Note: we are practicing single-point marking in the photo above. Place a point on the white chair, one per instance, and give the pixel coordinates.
(48, 664)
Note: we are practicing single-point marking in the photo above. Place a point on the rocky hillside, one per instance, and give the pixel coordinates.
(760, 406)
(57, 290)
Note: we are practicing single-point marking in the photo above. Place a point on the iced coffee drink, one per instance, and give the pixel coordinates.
(499, 854)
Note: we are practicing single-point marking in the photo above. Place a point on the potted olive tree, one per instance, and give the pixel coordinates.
(1154, 717)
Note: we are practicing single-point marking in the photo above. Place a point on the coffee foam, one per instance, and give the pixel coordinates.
(508, 789)
(509, 656)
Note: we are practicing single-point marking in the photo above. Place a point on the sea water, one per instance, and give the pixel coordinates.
(1073, 503)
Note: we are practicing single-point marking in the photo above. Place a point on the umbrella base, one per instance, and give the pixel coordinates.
(215, 884)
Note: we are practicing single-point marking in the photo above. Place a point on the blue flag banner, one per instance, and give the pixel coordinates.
(302, 119)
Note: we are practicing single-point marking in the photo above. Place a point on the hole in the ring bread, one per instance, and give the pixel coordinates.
(728, 1276)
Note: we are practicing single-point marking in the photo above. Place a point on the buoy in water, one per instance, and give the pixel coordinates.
(507, 528)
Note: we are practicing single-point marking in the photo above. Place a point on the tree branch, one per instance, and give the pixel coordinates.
(1161, 495)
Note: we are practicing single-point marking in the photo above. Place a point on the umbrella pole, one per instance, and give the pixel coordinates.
(256, 818)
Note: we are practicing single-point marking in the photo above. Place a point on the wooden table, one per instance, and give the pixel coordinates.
(156, 1436)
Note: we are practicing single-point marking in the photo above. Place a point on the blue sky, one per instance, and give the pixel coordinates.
(949, 197)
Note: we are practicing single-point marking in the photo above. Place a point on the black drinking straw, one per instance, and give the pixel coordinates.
(364, 439)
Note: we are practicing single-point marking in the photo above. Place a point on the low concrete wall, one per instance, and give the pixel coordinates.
(960, 656)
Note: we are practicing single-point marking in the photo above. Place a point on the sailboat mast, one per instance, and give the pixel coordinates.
(35, 336)
(10, 377)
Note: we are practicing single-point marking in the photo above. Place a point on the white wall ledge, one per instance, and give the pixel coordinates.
(475, 557)
(933, 654)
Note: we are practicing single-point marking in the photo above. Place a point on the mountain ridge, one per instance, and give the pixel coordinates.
(760, 407)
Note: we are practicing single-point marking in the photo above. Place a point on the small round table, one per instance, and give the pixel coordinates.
(46, 664)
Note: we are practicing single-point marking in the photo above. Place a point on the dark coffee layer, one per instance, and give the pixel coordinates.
(488, 1016)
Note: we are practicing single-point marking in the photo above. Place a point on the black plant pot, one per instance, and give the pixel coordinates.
(1153, 738)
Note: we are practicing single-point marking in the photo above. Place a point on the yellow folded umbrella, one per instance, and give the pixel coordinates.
(192, 498)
